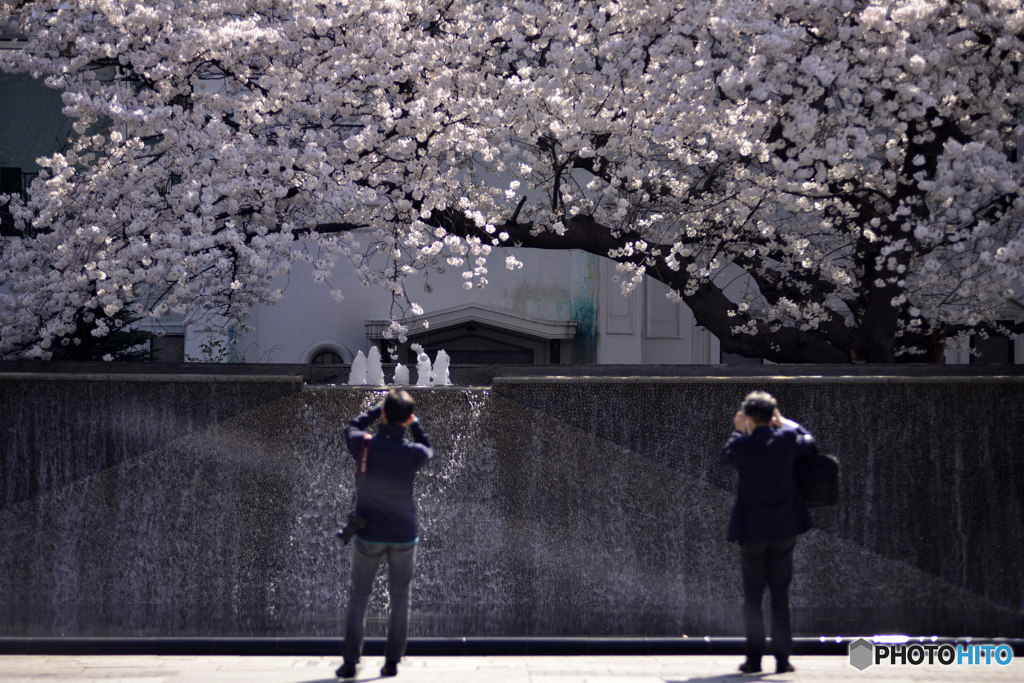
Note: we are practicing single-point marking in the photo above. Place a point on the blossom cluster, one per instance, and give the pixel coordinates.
(857, 158)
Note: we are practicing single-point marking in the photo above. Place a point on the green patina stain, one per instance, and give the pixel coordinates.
(584, 310)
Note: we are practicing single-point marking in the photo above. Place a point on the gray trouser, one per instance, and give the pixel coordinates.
(366, 559)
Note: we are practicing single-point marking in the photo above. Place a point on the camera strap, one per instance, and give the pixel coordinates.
(364, 453)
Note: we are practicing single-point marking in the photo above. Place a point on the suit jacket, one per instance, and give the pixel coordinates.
(768, 503)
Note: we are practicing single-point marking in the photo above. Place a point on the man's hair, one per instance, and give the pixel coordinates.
(759, 406)
(398, 406)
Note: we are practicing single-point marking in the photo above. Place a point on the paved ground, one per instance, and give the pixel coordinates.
(585, 669)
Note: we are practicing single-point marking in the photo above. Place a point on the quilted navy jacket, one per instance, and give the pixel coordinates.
(385, 491)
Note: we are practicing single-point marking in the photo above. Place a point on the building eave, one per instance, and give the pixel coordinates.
(459, 316)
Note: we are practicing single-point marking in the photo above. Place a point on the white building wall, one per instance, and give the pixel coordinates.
(553, 285)
(621, 319)
(644, 327)
(668, 327)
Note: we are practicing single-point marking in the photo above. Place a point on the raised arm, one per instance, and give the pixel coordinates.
(420, 437)
(804, 440)
(355, 429)
(741, 427)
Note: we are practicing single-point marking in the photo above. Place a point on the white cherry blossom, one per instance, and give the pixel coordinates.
(857, 160)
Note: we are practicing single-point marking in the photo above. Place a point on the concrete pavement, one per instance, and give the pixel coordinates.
(495, 669)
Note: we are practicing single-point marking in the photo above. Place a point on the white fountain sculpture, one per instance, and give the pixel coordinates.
(439, 377)
(374, 368)
(422, 366)
(401, 375)
(358, 373)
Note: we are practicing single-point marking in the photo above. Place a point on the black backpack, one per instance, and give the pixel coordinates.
(817, 477)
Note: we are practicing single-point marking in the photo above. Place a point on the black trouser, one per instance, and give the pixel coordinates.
(768, 564)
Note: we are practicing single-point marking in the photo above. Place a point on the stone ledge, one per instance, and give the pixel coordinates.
(420, 647)
(775, 379)
(132, 377)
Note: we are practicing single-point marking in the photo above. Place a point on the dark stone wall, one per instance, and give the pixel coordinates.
(59, 427)
(931, 467)
(485, 374)
(574, 506)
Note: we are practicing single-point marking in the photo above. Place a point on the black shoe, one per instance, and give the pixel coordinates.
(784, 667)
(346, 670)
(389, 669)
(750, 667)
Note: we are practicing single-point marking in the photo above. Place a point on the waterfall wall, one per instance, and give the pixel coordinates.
(61, 427)
(555, 506)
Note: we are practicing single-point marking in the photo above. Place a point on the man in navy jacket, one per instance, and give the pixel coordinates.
(768, 516)
(386, 466)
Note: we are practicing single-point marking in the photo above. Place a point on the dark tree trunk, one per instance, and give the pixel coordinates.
(830, 344)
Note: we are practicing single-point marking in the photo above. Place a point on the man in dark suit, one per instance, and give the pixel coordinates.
(768, 516)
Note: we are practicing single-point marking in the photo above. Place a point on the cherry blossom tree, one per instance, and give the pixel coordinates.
(852, 166)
